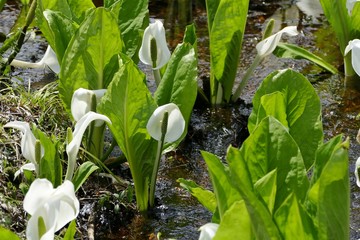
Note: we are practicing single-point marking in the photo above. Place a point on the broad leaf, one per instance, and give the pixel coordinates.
(266, 188)
(236, 223)
(303, 110)
(293, 221)
(82, 173)
(225, 46)
(225, 193)
(270, 147)
(205, 197)
(88, 53)
(79, 9)
(129, 105)
(286, 50)
(61, 30)
(133, 18)
(330, 195)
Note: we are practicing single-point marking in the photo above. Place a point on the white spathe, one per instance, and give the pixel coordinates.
(268, 45)
(81, 101)
(73, 147)
(27, 144)
(350, 5)
(208, 231)
(357, 168)
(354, 47)
(49, 59)
(56, 207)
(175, 126)
(155, 31)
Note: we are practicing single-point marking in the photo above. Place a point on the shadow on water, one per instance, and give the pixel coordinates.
(177, 214)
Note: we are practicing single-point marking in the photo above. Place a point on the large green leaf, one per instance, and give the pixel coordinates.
(337, 14)
(235, 224)
(329, 195)
(303, 110)
(133, 18)
(88, 53)
(226, 35)
(225, 193)
(79, 9)
(61, 30)
(129, 105)
(270, 147)
(287, 50)
(179, 84)
(293, 221)
(205, 197)
(53, 5)
(266, 188)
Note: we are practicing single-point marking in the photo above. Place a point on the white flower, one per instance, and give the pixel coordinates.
(27, 144)
(52, 207)
(73, 147)
(208, 231)
(154, 31)
(268, 45)
(81, 101)
(175, 125)
(357, 169)
(354, 46)
(350, 5)
(49, 60)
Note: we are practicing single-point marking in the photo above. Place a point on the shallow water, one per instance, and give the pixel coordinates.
(177, 214)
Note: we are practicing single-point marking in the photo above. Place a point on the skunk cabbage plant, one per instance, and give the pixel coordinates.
(50, 209)
(28, 146)
(265, 191)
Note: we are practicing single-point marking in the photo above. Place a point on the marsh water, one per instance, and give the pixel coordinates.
(178, 215)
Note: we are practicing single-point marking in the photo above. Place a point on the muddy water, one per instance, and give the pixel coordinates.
(177, 214)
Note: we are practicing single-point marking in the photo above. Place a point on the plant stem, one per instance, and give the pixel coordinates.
(246, 78)
(157, 76)
(157, 159)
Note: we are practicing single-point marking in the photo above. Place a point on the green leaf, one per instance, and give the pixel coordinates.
(82, 173)
(225, 193)
(273, 104)
(179, 83)
(70, 231)
(79, 9)
(205, 197)
(266, 188)
(287, 50)
(303, 110)
(129, 105)
(293, 221)
(235, 223)
(211, 9)
(61, 30)
(133, 18)
(7, 234)
(88, 53)
(50, 165)
(355, 22)
(337, 15)
(225, 46)
(329, 195)
(270, 147)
